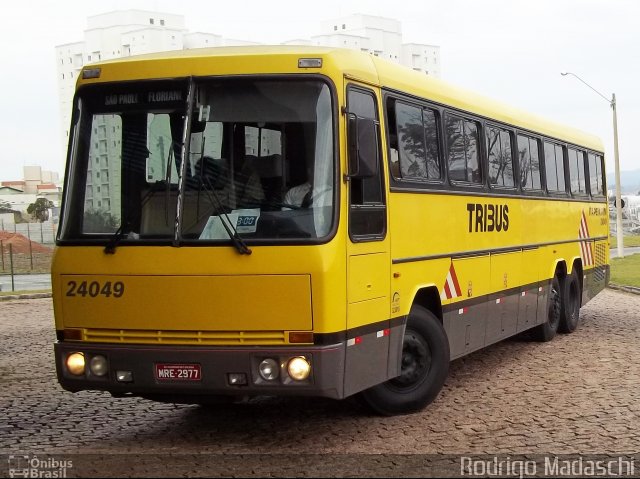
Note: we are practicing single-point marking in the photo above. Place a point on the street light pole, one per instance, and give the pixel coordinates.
(618, 199)
(612, 104)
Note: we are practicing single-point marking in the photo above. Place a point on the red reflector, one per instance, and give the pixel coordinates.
(387, 332)
(301, 337)
(358, 340)
(73, 334)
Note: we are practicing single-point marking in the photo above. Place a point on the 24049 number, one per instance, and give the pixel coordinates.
(94, 289)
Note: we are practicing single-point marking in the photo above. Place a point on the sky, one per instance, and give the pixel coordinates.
(509, 50)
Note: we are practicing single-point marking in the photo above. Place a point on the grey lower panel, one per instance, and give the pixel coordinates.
(367, 361)
(595, 280)
(466, 329)
(473, 327)
(327, 377)
(528, 308)
(543, 299)
(502, 318)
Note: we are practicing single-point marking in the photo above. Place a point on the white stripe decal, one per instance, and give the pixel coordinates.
(452, 287)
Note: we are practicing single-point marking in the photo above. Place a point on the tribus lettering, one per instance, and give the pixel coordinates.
(484, 218)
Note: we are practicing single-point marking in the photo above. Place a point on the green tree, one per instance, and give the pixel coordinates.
(39, 210)
(99, 221)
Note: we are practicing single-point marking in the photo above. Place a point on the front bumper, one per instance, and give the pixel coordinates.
(216, 363)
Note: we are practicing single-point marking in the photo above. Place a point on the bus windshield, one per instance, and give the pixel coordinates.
(258, 162)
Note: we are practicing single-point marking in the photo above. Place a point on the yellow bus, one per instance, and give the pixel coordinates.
(310, 221)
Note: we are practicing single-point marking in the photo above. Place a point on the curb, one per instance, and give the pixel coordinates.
(25, 296)
(626, 289)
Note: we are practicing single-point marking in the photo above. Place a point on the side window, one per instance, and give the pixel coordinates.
(432, 140)
(417, 140)
(529, 163)
(554, 167)
(411, 142)
(500, 157)
(462, 150)
(367, 211)
(576, 172)
(595, 175)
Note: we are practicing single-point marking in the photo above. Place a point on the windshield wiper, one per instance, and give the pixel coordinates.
(122, 233)
(118, 236)
(229, 227)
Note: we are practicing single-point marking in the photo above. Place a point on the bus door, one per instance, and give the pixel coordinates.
(368, 256)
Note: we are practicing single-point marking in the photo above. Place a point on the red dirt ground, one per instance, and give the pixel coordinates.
(20, 244)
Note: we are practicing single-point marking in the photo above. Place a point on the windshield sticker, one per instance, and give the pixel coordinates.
(247, 220)
(243, 221)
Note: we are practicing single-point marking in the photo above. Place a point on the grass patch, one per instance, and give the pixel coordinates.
(626, 271)
(31, 291)
(629, 241)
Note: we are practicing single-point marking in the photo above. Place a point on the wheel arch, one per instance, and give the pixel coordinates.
(428, 297)
(559, 269)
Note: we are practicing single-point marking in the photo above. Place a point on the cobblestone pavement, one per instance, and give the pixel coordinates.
(578, 394)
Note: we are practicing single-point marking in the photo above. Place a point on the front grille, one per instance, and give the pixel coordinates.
(204, 338)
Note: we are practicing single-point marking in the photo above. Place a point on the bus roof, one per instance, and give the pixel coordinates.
(336, 62)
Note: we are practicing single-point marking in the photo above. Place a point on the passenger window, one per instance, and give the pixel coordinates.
(554, 167)
(417, 138)
(462, 150)
(529, 163)
(576, 172)
(500, 157)
(595, 174)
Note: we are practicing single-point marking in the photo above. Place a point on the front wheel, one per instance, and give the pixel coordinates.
(424, 368)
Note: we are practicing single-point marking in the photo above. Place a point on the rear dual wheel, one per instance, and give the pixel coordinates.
(570, 304)
(547, 331)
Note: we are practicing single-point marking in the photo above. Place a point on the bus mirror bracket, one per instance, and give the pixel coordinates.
(363, 147)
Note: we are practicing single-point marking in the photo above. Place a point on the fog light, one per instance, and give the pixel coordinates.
(269, 369)
(124, 376)
(98, 365)
(299, 368)
(75, 364)
(237, 379)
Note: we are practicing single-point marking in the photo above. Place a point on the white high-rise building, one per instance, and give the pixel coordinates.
(113, 35)
(133, 32)
(122, 34)
(381, 37)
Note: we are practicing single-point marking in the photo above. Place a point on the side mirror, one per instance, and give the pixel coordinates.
(363, 147)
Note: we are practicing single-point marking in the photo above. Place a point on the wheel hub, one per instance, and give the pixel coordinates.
(416, 361)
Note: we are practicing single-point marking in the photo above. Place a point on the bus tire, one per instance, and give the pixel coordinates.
(546, 331)
(424, 368)
(570, 304)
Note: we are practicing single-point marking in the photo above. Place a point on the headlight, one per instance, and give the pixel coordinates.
(299, 368)
(98, 365)
(269, 369)
(75, 364)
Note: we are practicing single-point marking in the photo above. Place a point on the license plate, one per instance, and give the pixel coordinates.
(178, 372)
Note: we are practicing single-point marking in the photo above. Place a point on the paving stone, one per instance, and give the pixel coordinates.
(575, 394)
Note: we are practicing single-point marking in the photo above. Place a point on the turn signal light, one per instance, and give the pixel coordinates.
(301, 337)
